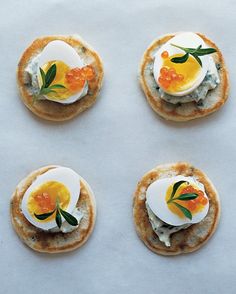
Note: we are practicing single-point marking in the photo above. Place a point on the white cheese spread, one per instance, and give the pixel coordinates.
(163, 230)
(66, 227)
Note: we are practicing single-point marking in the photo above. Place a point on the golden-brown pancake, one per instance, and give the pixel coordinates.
(183, 111)
(43, 241)
(186, 240)
(52, 110)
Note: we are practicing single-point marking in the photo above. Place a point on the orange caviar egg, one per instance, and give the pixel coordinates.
(180, 77)
(172, 73)
(192, 205)
(200, 196)
(164, 71)
(168, 78)
(88, 72)
(172, 70)
(164, 54)
(174, 76)
(188, 189)
(203, 200)
(164, 82)
(77, 85)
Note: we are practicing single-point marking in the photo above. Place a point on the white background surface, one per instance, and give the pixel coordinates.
(112, 145)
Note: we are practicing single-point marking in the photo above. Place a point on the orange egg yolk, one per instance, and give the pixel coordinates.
(43, 199)
(178, 77)
(194, 206)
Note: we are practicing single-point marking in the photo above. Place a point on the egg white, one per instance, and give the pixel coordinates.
(185, 39)
(155, 197)
(61, 51)
(64, 175)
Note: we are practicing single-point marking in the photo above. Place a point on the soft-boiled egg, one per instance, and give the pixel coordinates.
(71, 72)
(186, 76)
(58, 185)
(159, 193)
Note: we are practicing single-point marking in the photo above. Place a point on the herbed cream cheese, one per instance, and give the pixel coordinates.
(211, 81)
(31, 75)
(162, 229)
(66, 227)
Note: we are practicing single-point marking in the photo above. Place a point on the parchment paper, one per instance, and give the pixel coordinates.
(112, 145)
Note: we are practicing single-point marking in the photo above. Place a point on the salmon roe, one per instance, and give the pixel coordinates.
(193, 204)
(164, 54)
(44, 202)
(76, 77)
(169, 76)
(203, 200)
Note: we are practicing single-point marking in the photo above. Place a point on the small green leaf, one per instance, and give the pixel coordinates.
(205, 51)
(180, 59)
(185, 211)
(44, 215)
(199, 47)
(187, 50)
(46, 91)
(197, 58)
(69, 218)
(42, 76)
(57, 86)
(192, 50)
(58, 219)
(187, 196)
(175, 188)
(50, 75)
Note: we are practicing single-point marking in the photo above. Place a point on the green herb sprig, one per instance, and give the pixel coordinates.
(183, 197)
(59, 212)
(195, 52)
(47, 79)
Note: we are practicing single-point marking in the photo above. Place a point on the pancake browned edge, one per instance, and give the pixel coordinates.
(185, 111)
(43, 241)
(52, 110)
(186, 240)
